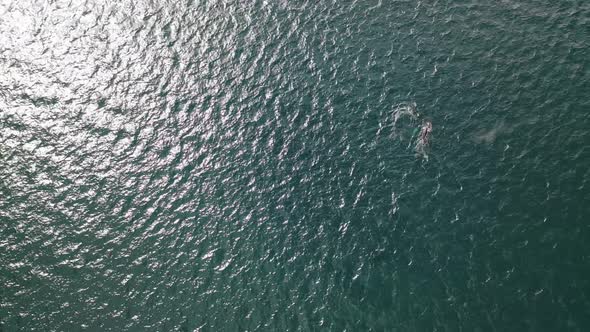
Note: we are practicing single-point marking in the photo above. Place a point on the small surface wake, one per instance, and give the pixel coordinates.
(402, 111)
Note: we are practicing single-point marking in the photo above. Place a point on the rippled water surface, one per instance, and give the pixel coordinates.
(239, 165)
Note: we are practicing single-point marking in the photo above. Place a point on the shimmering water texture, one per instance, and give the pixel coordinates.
(263, 165)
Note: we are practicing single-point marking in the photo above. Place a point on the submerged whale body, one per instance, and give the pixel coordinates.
(409, 113)
(424, 139)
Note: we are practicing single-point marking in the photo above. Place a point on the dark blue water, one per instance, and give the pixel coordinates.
(258, 166)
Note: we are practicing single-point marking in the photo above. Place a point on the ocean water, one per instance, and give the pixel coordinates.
(252, 165)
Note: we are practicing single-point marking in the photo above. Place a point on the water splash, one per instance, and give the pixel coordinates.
(488, 136)
(404, 110)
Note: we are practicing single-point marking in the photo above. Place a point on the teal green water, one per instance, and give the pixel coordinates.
(239, 166)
